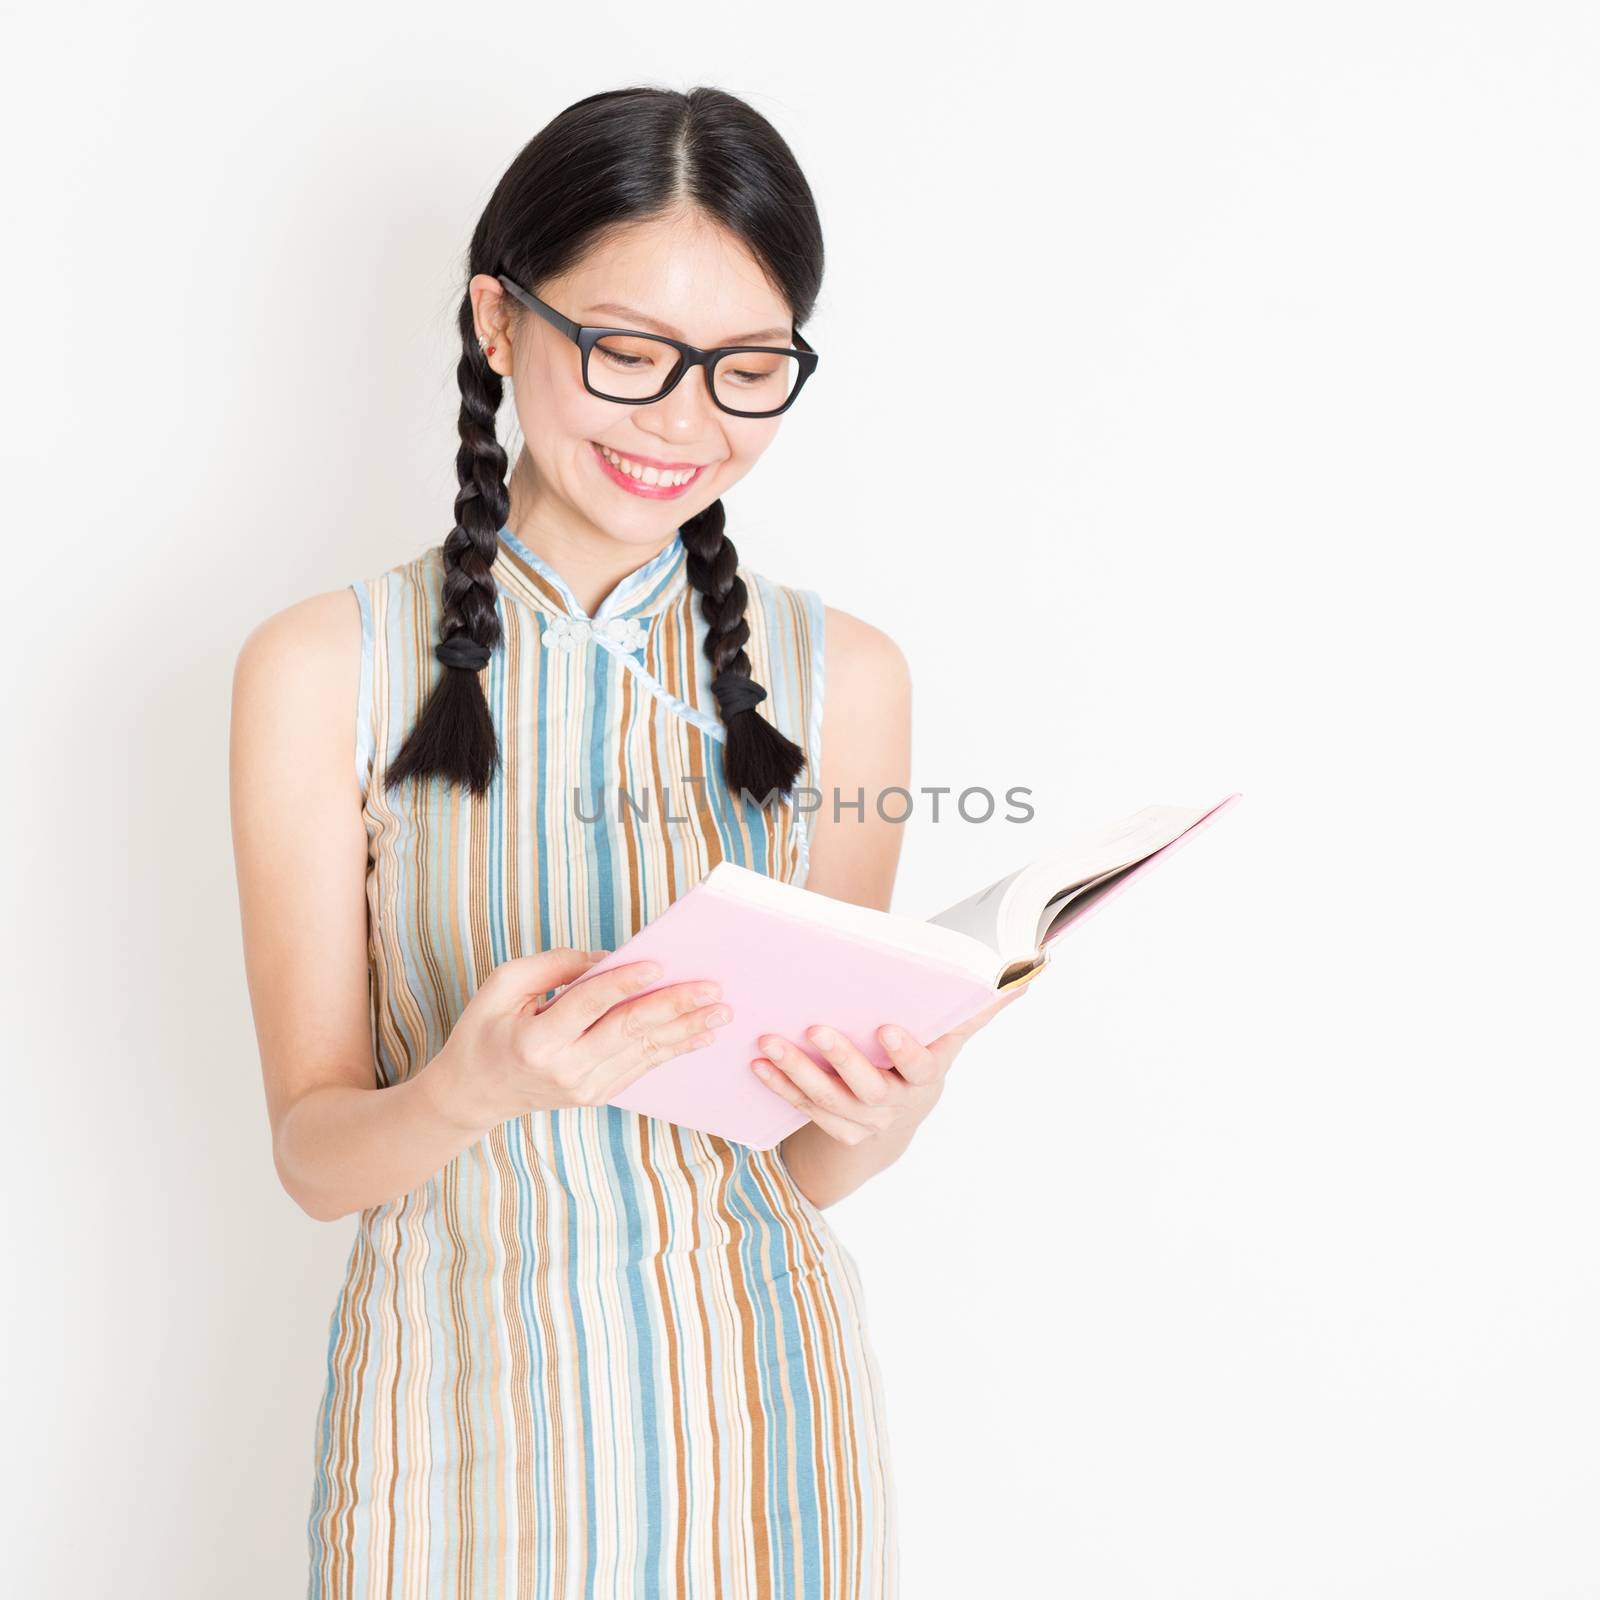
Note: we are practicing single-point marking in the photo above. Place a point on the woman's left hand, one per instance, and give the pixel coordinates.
(866, 1100)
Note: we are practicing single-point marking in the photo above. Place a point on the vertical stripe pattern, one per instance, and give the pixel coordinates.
(597, 1354)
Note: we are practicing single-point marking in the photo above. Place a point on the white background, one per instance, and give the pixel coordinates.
(1254, 1254)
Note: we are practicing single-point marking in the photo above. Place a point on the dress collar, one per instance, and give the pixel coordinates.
(642, 593)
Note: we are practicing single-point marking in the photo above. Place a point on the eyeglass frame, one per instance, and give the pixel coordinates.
(689, 355)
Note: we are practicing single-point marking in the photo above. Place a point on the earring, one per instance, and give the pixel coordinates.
(485, 346)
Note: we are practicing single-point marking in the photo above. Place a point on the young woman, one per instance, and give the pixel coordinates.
(577, 1350)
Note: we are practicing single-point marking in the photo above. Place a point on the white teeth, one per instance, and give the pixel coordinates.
(653, 475)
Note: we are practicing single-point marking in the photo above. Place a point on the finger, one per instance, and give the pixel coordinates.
(663, 1013)
(872, 1085)
(836, 1127)
(676, 1035)
(913, 1061)
(584, 1002)
(818, 1085)
(531, 978)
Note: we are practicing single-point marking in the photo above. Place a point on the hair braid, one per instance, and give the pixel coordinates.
(758, 758)
(454, 735)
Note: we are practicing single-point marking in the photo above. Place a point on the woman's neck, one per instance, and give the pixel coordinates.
(589, 560)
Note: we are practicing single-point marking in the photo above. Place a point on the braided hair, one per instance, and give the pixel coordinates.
(616, 157)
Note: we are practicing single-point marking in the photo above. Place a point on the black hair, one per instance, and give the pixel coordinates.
(618, 157)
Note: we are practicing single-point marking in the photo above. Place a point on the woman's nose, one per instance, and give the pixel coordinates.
(688, 406)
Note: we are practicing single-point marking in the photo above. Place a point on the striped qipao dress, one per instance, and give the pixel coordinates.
(596, 1354)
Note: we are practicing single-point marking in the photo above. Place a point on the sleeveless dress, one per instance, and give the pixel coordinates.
(596, 1354)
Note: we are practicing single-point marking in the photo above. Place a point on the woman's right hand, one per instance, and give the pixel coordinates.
(507, 1054)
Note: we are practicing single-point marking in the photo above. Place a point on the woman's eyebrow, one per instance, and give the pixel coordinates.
(644, 319)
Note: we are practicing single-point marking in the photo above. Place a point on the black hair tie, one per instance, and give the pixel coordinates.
(461, 651)
(736, 691)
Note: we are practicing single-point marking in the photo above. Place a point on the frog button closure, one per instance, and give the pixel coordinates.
(568, 633)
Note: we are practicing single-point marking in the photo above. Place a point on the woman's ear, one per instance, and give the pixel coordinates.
(491, 322)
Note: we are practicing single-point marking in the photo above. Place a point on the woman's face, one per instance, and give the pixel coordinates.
(683, 277)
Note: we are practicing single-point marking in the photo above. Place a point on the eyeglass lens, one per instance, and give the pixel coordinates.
(637, 367)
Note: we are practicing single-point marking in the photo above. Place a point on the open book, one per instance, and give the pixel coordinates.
(788, 958)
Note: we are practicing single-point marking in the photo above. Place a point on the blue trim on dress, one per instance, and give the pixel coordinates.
(709, 725)
(636, 591)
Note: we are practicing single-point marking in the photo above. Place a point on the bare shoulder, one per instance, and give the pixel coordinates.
(304, 641)
(296, 681)
(866, 750)
(863, 655)
(866, 703)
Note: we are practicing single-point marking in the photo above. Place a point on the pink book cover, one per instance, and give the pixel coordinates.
(782, 974)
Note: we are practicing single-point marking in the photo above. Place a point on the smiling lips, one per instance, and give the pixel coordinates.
(654, 480)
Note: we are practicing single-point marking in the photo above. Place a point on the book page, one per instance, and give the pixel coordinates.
(1013, 915)
(1064, 908)
(979, 914)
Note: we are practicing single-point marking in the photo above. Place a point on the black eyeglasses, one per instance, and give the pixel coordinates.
(636, 368)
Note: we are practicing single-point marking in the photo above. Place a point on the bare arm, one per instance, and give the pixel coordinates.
(340, 1143)
(866, 743)
(300, 855)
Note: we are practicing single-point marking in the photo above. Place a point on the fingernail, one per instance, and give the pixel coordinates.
(892, 1038)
